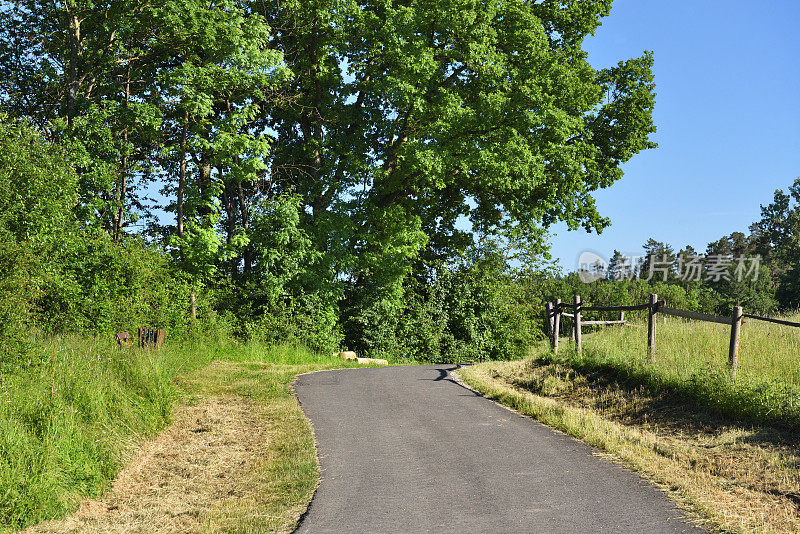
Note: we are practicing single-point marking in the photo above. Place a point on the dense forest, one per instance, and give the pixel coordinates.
(378, 176)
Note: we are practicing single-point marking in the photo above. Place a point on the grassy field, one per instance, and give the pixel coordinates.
(68, 426)
(726, 449)
(692, 359)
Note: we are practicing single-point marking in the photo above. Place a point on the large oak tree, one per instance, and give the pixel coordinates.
(405, 117)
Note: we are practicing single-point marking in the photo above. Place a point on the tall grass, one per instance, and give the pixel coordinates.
(692, 360)
(68, 424)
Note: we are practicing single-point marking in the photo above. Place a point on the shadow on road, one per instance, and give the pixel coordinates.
(444, 375)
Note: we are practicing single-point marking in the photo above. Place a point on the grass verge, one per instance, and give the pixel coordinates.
(69, 425)
(282, 482)
(731, 476)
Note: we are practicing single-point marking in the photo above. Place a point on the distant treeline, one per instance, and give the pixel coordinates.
(759, 270)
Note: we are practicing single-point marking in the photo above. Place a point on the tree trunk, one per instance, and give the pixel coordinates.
(181, 178)
(245, 216)
(122, 185)
(72, 69)
(229, 202)
(204, 209)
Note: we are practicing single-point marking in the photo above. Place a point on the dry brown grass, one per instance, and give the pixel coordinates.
(239, 456)
(192, 469)
(733, 477)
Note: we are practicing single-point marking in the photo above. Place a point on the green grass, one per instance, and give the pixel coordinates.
(692, 360)
(68, 425)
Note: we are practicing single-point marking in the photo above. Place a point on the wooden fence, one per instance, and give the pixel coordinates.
(555, 310)
(149, 338)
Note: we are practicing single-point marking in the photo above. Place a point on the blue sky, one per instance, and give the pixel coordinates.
(728, 119)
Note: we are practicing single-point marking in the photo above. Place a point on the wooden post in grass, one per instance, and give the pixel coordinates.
(651, 328)
(556, 324)
(576, 324)
(736, 331)
(549, 326)
(572, 331)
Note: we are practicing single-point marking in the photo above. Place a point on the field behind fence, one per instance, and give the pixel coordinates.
(741, 366)
(763, 346)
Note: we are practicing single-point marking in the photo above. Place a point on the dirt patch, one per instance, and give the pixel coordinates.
(192, 470)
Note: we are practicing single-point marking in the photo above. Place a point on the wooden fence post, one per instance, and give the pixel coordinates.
(556, 324)
(576, 324)
(549, 326)
(651, 328)
(736, 330)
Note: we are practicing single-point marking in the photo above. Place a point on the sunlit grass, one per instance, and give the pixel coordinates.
(684, 348)
(692, 359)
(69, 423)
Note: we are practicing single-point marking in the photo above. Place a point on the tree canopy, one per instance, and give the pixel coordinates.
(397, 132)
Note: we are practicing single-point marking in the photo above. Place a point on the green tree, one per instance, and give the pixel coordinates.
(776, 237)
(407, 117)
(79, 70)
(143, 91)
(658, 262)
(38, 192)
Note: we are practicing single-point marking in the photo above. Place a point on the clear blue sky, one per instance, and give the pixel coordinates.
(728, 119)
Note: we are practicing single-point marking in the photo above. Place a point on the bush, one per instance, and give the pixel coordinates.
(473, 310)
(38, 190)
(92, 284)
(59, 277)
(303, 321)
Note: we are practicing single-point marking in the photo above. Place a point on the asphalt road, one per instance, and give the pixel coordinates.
(406, 449)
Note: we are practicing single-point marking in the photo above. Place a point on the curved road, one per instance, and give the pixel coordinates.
(406, 449)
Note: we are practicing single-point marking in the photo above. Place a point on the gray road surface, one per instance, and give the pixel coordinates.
(406, 449)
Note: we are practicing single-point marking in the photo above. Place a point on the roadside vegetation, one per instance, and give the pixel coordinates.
(69, 425)
(692, 360)
(725, 448)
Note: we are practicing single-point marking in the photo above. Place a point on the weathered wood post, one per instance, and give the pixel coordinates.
(622, 317)
(160, 335)
(556, 324)
(549, 325)
(572, 330)
(576, 322)
(736, 331)
(651, 328)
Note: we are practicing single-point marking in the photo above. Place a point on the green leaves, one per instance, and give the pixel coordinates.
(38, 186)
(493, 102)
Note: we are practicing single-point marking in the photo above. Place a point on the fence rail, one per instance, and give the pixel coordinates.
(694, 315)
(771, 320)
(635, 307)
(555, 310)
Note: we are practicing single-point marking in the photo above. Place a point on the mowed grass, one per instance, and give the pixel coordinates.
(69, 425)
(692, 360)
(278, 491)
